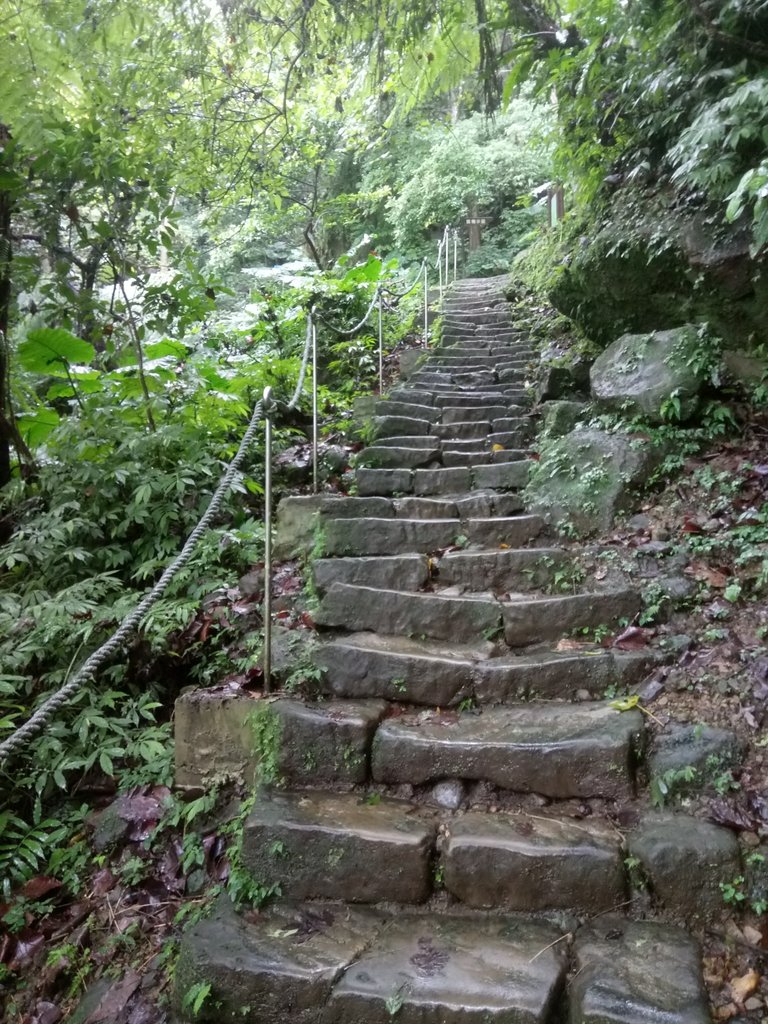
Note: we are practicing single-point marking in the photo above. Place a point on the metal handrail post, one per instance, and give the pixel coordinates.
(455, 253)
(267, 652)
(426, 305)
(440, 267)
(313, 328)
(381, 341)
(446, 239)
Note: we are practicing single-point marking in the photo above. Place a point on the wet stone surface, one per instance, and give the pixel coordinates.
(673, 849)
(333, 846)
(559, 751)
(636, 972)
(530, 863)
(452, 971)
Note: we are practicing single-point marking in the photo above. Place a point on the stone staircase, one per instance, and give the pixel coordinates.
(445, 843)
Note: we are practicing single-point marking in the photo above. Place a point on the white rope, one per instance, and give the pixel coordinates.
(94, 662)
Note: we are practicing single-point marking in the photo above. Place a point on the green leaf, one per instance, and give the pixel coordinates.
(52, 350)
(36, 427)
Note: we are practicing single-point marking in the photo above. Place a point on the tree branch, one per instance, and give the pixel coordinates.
(748, 46)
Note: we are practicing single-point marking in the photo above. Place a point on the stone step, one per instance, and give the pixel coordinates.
(404, 393)
(510, 438)
(556, 750)
(474, 400)
(513, 569)
(427, 672)
(423, 441)
(334, 964)
(388, 426)
(410, 410)
(502, 476)
(317, 845)
(484, 457)
(372, 536)
(533, 863)
(401, 572)
(467, 429)
(464, 414)
(531, 620)
(453, 480)
(441, 617)
(384, 481)
(383, 457)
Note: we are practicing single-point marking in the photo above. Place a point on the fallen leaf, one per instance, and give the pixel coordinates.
(39, 886)
(743, 987)
(706, 574)
(635, 638)
(115, 999)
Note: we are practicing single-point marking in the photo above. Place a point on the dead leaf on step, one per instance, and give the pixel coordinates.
(504, 547)
(634, 638)
(566, 644)
(706, 574)
(743, 987)
(497, 448)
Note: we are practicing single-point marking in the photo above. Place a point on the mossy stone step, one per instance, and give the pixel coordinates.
(465, 414)
(388, 426)
(557, 750)
(335, 846)
(329, 963)
(436, 674)
(411, 410)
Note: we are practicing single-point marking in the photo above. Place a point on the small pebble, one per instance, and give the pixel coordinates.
(753, 1003)
(750, 838)
(583, 695)
(449, 794)
(659, 533)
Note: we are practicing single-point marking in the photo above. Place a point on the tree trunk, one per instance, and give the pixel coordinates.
(6, 251)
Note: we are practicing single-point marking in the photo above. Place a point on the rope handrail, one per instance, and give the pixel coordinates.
(94, 661)
(87, 671)
(416, 282)
(349, 331)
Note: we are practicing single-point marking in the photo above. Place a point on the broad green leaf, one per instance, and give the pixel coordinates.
(52, 350)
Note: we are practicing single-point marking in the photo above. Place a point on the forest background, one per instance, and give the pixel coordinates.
(180, 182)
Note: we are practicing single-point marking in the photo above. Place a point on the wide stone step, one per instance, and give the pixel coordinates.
(370, 536)
(532, 863)
(384, 481)
(334, 846)
(357, 608)
(532, 620)
(472, 400)
(556, 750)
(432, 673)
(402, 572)
(326, 963)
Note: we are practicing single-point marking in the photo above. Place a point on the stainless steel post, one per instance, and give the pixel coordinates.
(381, 342)
(446, 242)
(455, 252)
(426, 305)
(313, 328)
(267, 652)
(440, 267)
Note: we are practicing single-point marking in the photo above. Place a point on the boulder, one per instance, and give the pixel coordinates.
(559, 418)
(639, 373)
(588, 476)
